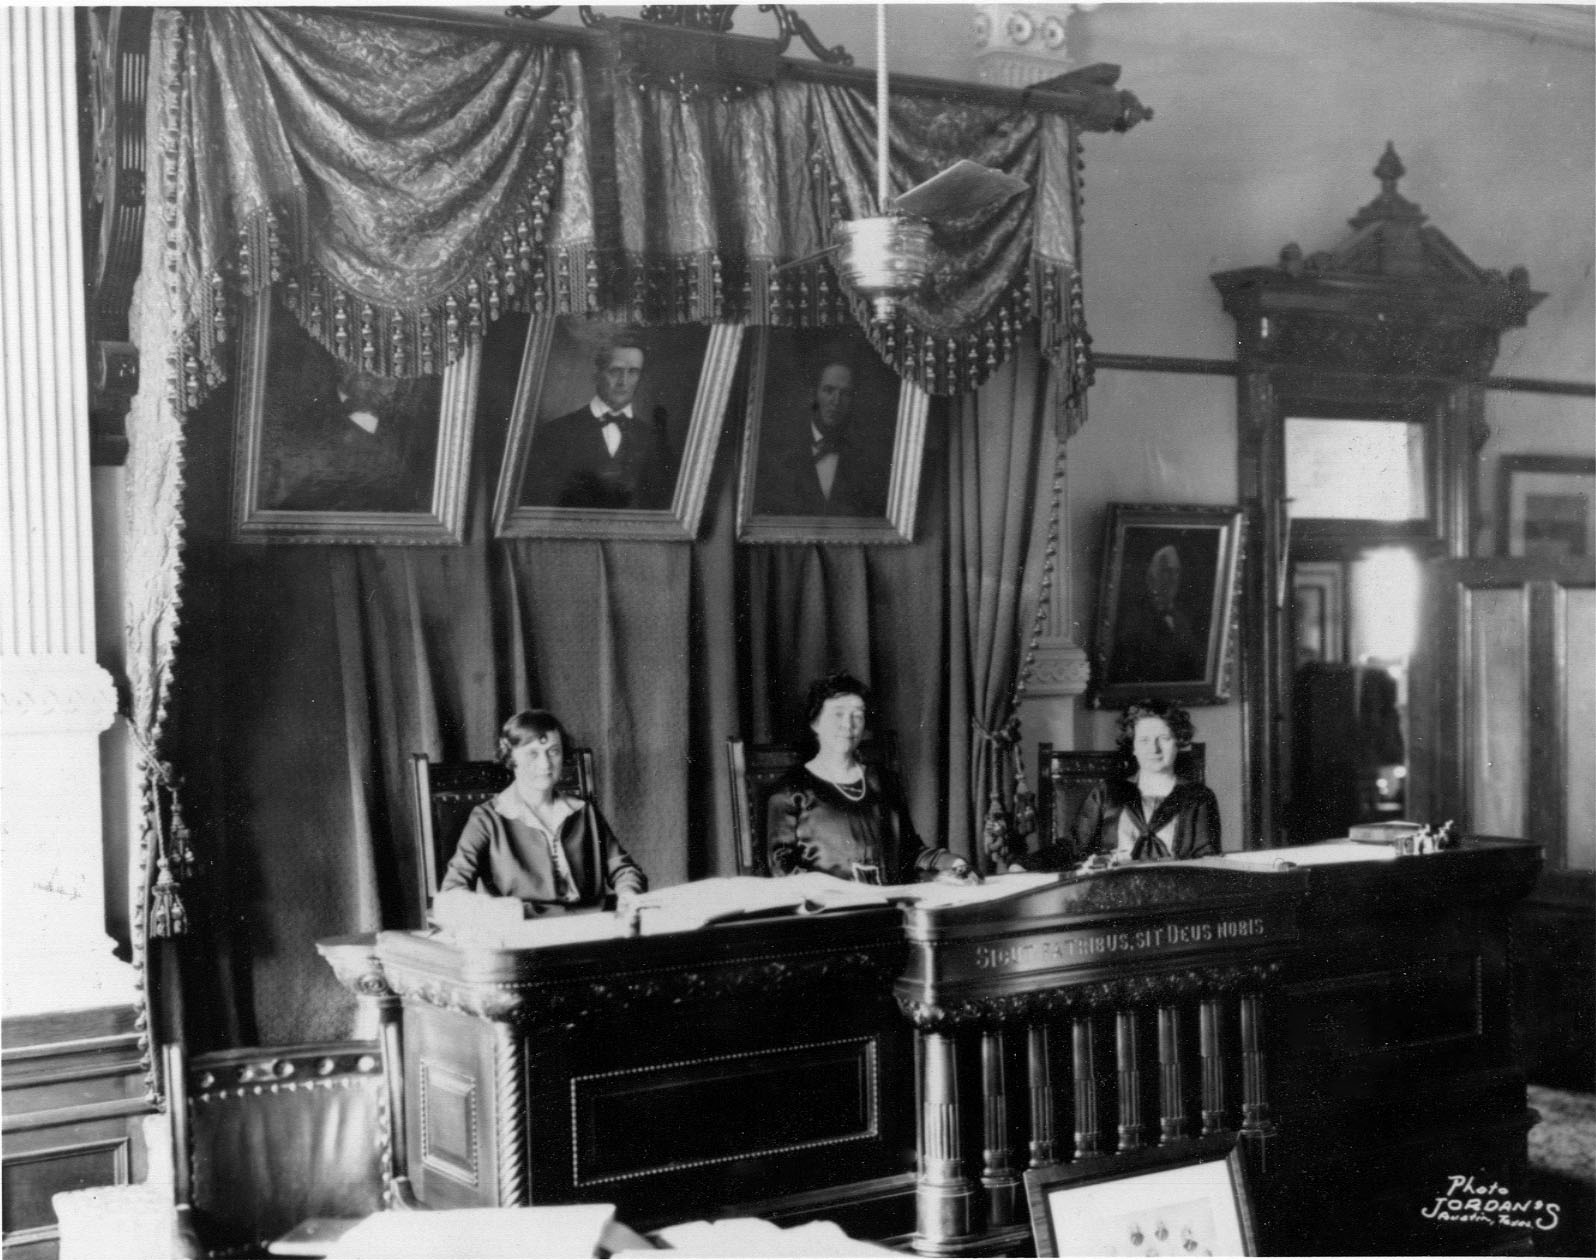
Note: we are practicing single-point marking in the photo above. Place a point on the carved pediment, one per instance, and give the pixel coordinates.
(1396, 295)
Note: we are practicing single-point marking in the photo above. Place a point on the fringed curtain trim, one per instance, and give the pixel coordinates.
(397, 183)
(404, 185)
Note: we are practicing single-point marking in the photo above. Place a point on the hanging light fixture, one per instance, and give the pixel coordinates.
(885, 257)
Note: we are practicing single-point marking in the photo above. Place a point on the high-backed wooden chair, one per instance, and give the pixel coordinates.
(447, 791)
(1068, 777)
(755, 771)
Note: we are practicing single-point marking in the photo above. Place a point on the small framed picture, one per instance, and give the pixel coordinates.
(1546, 507)
(613, 430)
(1166, 604)
(327, 453)
(1152, 1206)
(833, 444)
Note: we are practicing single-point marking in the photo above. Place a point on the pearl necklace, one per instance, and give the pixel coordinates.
(851, 791)
(854, 790)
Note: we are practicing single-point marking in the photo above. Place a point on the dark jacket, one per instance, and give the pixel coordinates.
(787, 484)
(1191, 808)
(811, 825)
(570, 466)
(501, 855)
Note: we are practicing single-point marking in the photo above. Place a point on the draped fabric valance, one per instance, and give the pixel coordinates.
(404, 184)
(401, 185)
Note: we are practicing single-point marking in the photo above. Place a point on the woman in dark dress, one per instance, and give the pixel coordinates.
(554, 851)
(835, 814)
(1151, 814)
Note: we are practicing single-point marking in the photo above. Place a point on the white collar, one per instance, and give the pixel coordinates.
(509, 804)
(600, 409)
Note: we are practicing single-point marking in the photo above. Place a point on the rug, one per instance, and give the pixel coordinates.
(1565, 1139)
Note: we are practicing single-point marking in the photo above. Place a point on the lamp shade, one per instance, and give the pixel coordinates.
(885, 258)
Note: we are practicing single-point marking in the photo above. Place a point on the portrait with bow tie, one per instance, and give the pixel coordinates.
(613, 428)
(605, 454)
(825, 441)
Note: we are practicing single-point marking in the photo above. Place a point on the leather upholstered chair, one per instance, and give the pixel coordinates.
(755, 771)
(447, 791)
(1067, 778)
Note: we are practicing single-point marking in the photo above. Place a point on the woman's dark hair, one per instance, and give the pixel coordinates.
(526, 726)
(829, 688)
(1171, 714)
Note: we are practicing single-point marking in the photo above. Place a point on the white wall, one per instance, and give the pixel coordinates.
(1269, 121)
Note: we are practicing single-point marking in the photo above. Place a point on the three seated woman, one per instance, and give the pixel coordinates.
(832, 813)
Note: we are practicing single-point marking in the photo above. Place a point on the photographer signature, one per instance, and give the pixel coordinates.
(1465, 1202)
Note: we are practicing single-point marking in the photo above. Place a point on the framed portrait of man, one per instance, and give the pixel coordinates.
(1166, 604)
(325, 452)
(833, 444)
(613, 429)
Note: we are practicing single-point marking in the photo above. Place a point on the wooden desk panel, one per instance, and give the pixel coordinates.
(1348, 1024)
(751, 1063)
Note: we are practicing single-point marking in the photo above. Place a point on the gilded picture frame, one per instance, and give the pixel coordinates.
(1546, 507)
(870, 491)
(325, 453)
(556, 482)
(1145, 1204)
(1166, 604)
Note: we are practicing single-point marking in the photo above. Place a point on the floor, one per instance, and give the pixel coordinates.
(1562, 1157)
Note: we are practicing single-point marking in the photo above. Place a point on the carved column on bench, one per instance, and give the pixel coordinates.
(944, 1195)
(1256, 1126)
(1127, 1059)
(1005, 1199)
(1088, 1130)
(1044, 1142)
(1213, 1064)
(1171, 1085)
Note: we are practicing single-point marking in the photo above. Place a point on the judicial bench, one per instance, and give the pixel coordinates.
(1341, 1013)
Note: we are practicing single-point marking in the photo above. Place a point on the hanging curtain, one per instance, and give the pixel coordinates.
(991, 506)
(309, 675)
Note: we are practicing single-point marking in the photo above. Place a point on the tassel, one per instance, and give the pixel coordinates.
(996, 837)
(1024, 801)
(167, 917)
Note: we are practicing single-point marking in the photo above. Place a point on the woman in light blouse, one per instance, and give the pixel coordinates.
(554, 851)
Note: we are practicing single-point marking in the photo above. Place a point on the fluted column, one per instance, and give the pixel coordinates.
(54, 699)
(1213, 1063)
(944, 1193)
(1039, 1071)
(1128, 1057)
(1005, 1192)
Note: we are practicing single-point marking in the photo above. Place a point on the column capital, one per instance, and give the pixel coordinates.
(1020, 44)
(55, 695)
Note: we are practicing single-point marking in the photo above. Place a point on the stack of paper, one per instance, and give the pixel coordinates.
(689, 906)
(529, 1233)
(749, 1236)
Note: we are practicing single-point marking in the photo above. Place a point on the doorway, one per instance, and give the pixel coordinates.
(1355, 620)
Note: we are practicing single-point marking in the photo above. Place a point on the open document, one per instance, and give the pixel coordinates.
(496, 922)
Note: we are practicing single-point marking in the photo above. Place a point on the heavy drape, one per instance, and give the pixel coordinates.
(306, 676)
